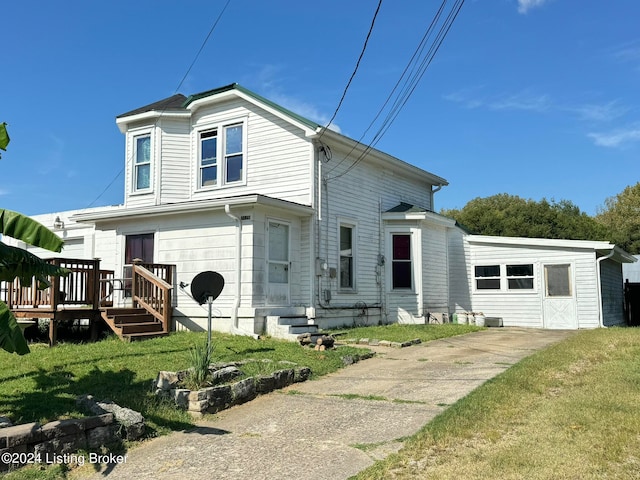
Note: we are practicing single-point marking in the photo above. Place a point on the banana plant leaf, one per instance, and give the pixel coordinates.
(11, 338)
(4, 136)
(21, 227)
(18, 263)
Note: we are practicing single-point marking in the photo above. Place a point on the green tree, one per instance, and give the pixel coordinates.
(513, 216)
(620, 215)
(18, 263)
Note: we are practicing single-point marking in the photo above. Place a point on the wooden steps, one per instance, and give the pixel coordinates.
(132, 323)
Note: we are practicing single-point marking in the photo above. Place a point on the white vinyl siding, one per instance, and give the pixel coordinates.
(435, 269)
(459, 272)
(525, 307)
(273, 147)
(175, 178)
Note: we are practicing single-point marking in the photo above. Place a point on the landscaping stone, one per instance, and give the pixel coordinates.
(225, 374)
(131, 421)
(265, 384)
(243, 391)
(100, 436)
(59, 437)
(219, 397)
(5, 422)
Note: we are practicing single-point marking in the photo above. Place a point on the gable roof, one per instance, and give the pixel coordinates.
(180, 106)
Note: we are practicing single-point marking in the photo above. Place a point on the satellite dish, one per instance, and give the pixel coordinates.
(206, 286)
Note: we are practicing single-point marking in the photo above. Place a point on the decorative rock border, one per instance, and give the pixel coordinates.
(373, 342)
(220, 397)
(57, 441)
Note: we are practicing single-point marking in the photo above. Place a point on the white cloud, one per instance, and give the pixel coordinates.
(627, 52)
(617, 138)
(525, 5)
(600, 113)
(524, 100)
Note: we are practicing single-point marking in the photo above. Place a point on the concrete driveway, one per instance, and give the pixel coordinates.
(313, 430)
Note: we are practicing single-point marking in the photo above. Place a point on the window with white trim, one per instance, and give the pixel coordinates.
(347, 255)
(401, 262)
(520, 277)
(221, 156)
(142, 163)
(487, 277)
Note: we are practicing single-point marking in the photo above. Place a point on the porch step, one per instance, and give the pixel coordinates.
(132, 323)
(289, 327)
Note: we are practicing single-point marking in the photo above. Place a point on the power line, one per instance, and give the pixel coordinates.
(195, 59)
(418, 69)
(353, 74)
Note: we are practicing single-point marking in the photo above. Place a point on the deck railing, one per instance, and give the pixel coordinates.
(151, 289)
(79, 287)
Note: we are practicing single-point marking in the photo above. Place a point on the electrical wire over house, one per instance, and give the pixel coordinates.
(407, 83)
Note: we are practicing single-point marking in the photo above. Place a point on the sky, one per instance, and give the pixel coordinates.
(536, 98)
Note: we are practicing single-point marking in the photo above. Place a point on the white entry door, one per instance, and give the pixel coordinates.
(559, 303)
(278, 263)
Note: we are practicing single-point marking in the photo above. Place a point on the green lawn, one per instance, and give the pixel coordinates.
(568, 412)
(43, 385)
(401, 333)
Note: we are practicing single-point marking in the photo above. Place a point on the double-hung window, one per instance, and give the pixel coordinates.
(142, 163)
(487, 277)
(347, 245)
(221, 156)
(513, 277)
(520, 277)
(208, 158)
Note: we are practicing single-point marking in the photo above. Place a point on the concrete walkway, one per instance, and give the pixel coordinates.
(312, 430)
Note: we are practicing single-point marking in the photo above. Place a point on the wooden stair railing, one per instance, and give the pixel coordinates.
(151, 290)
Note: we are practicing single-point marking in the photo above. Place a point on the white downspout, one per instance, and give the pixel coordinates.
(599, 285)
(236, 304)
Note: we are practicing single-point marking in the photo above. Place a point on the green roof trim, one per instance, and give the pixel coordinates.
(235, 86)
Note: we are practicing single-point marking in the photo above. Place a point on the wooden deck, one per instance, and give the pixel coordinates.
(87, 293)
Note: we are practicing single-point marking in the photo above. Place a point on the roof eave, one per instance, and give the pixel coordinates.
(383, 157)
(191, 207)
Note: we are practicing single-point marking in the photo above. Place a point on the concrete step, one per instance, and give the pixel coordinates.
(298, 329)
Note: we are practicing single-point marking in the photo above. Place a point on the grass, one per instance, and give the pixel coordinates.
(402, 333)
(568, 412)
(43, 385)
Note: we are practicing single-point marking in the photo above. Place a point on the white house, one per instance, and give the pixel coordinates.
(309, 227)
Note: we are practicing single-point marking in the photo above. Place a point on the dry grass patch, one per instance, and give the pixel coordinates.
(568, 412)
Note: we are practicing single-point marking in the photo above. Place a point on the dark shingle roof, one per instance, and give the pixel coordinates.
(407, 208)
(180, 102)
(175, 102)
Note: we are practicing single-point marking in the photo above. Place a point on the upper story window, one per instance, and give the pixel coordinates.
(208, 158)
(142, 163)
(221, 156)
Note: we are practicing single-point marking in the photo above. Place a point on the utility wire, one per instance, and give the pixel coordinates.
(195, 59)
(353, 74)
(409, 84)
(419, 49)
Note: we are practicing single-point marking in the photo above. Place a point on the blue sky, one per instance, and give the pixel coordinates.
(537, 98)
